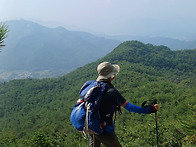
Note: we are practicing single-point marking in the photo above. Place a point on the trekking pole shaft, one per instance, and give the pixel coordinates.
(157, 129)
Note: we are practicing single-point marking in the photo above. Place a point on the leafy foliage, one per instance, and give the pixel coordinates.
(36, 112)
(3, 33)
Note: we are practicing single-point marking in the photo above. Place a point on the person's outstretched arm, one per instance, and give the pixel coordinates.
(137, 109)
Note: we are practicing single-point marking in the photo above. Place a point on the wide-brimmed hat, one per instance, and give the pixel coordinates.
(107, 70)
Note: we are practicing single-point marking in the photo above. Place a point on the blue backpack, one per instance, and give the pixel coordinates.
(85, 114)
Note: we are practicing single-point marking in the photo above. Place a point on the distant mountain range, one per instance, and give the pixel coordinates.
(33, 50)
(173, 44)
(36, 51)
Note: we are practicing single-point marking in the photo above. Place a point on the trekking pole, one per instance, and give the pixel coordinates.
(157, 134)
(150, 103)
(157, 129)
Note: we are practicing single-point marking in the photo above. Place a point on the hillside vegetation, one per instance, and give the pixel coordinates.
(37, 112)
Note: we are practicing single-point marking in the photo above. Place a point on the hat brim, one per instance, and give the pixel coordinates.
(115, 71)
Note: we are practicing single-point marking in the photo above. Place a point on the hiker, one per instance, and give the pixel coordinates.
(110, 101)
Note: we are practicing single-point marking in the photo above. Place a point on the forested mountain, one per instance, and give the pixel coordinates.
(37, 112)
(33, 50)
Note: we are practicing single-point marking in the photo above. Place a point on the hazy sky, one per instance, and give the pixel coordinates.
(112, 17)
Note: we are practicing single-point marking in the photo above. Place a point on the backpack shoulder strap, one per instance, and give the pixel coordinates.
(84, 89)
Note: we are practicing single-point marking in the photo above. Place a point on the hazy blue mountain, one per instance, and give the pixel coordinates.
(173, 44)
(32, 49)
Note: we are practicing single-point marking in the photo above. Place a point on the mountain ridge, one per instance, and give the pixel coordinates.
(36, 51)
(172, 43)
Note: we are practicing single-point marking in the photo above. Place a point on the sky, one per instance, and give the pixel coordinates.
(169, 18)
